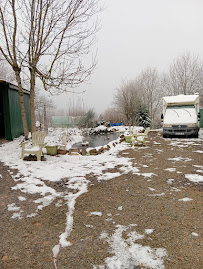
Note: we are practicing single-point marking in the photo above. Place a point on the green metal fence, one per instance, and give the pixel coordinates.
(62, 121)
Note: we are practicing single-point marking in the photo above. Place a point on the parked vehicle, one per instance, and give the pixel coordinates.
(181, 115)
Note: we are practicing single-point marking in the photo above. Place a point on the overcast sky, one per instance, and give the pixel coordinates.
(134, 35)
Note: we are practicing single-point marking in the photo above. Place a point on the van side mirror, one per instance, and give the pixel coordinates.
(198, 115)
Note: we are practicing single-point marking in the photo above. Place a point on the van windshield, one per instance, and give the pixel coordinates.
(180, 114)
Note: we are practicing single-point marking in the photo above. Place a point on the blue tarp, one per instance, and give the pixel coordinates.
(116, 124)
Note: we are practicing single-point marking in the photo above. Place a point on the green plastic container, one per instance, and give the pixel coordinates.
(51, 150)
(128, 138)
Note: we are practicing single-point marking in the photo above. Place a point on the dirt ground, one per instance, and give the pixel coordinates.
(149, 202)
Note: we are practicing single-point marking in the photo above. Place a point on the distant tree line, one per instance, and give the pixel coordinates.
(142, 97)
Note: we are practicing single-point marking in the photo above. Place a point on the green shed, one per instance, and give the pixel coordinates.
(11, 125)
(201, 118)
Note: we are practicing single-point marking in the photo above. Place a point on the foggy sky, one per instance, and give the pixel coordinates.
(134, 35)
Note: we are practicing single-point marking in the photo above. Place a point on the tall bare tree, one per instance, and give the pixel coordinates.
(48, 38)
(44, 108)
(127, 98)
(149, 81)
(113, 114)
(184, 75)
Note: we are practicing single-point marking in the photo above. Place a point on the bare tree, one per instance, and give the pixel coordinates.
(149, 81)
(9, 48)
(127, 98)
(200, 78)
(49, 38)
(185, 75)
(113, 115)
(44, 107)
(76, 107)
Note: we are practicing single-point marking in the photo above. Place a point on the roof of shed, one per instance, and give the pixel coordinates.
(12, 86)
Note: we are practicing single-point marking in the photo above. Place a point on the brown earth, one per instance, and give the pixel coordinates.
(27, 243)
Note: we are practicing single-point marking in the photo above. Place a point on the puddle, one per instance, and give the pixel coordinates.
(97, 140)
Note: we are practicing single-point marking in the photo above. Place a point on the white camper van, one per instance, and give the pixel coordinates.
(181, 115)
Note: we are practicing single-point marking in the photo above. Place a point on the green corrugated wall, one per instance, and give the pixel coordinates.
(201, 118)
(6, 111)
(16, 124)
(13, 124)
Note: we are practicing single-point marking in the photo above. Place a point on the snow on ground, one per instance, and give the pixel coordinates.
(176, 159)
(198, 151)
(194, 177)
(170, 181)
(149, 231)
(127, 253)
(194, 234)
(185, 199)
(34, 178)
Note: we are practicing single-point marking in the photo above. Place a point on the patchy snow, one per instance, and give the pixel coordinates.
(158, 194)
(34, 177)
(170, 181)
(151, 189)
(198, 151)
(13, 207)
(183, 143)
(31, 215)
(37, 179)
(100, 128)
(127, 253)
(194, 234)
(21, 198)
(156, 143)
(199, 171)
(171, 169)
(89, 226)
(44, 201)
(96, 213)
(17, 215)
(194, 177)
(175, 189)
(198, 166)
(185, 199)
(149, 231)
(176, 159)
(55, 250)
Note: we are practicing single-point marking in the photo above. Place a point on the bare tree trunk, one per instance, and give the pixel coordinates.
(32, 101)
(45, 120)
(22, 104)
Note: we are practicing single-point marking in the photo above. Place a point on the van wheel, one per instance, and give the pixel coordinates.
(165, 136)
(195, 135)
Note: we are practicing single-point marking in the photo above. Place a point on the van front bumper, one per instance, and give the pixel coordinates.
(180, 131)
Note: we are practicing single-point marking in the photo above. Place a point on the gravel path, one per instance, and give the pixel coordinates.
(150, 199)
